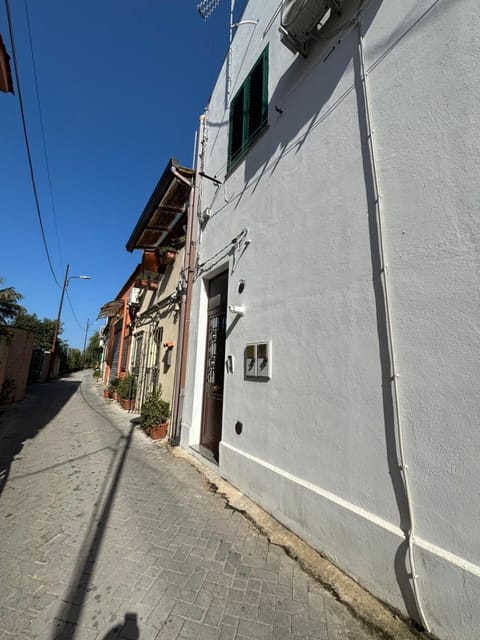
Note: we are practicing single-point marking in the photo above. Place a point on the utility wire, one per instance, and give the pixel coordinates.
(73, 312)
(35, 77)
(27, 144)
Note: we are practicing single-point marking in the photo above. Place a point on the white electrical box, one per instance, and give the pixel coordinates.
(258, 360)
(134, 296)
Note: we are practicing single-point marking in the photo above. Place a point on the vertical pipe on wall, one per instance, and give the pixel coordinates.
(122, 336)
(410, 534)
(230, 55)
(189, 267)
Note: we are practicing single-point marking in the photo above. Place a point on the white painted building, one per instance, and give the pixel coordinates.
(345, 235)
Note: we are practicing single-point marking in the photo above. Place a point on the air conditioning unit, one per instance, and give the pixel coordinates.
(134, 296)
(301, 18)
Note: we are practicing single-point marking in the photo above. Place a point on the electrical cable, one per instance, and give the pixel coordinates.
(27, 144)
(42, 128)
(73, 311)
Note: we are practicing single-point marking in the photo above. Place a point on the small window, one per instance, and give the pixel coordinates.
(249, 109)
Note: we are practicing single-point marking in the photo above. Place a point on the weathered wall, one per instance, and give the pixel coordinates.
(158, 312)
(320, 443)
(18, 356)
(3, 357)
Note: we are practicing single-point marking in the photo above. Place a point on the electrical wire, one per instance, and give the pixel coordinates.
(42, 128)
(73, 311)
(27, 144)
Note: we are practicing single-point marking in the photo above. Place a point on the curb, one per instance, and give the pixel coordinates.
(375, 615)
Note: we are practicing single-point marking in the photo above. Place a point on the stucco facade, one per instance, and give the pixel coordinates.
(155, 336)
(117, 334)
(349, 231)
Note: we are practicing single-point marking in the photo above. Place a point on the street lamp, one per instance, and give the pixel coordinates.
(66, 282)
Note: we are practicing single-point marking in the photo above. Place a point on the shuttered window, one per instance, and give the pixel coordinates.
(249, 109)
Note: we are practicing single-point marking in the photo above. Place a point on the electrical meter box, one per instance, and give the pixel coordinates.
(258, 360)
(251, 361)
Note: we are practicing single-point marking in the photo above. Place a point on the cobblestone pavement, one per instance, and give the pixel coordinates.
(104, 534)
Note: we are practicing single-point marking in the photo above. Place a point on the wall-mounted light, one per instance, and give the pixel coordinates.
(239, 309)
(205, 215)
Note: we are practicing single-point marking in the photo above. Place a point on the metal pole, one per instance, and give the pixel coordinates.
(190, 255)
(57, 323)
(85, 341)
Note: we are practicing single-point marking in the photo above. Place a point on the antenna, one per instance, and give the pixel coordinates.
(206, 7)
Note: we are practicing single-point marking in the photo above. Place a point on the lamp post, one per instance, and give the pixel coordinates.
(66, 282)
(85, 343)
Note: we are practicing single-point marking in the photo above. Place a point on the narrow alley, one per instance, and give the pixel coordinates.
(105, 534)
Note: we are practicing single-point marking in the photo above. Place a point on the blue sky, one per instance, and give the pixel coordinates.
(121, 86)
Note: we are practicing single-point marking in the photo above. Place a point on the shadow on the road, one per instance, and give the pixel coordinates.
(89, 454)
(128, 628)
(18, 423)
(67, 618)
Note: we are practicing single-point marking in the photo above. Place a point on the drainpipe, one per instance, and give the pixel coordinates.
(182, 179)
(186, 299)
(122, 338)
(410, 534)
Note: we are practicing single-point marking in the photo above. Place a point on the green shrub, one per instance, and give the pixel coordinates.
(113, 385)
(154, 410)
(127, 387)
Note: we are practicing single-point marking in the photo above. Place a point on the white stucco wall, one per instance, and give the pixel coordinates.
(319, 447)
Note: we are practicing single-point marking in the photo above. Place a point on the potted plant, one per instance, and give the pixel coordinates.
(145, 281)
(154, 415)
(167, 254)
(113, 388)
(127, 389)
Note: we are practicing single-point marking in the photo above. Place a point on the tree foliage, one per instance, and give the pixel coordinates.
(43, 329)
(74, 360)
(9, 306)
(93, 350)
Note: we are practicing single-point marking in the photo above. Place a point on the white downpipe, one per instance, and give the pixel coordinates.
(230, 38)
(233, 25)
(403, 465)
(180, 177)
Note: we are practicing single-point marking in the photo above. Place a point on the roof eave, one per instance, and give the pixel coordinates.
(155, 201)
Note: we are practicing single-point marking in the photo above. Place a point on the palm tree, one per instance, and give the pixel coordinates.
(9, 306)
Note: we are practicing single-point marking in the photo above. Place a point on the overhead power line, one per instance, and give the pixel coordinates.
(27, 144)
(42, 127)
(73, 312)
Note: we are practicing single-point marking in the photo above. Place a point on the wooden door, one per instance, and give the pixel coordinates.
(214, 364)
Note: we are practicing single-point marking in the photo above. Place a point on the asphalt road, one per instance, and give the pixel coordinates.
(104, 534)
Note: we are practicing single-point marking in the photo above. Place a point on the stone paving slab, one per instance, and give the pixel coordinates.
(104, 535)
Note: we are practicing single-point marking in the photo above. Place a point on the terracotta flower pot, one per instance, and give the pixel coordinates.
(159, 431)
(169, 257)
(127, 403)
(106, 393)
(146, 284)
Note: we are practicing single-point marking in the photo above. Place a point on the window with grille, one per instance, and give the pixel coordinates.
(249, 110)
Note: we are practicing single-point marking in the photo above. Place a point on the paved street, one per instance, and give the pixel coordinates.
(104, 534)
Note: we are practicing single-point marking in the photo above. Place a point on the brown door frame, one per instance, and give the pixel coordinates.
(212, 416)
